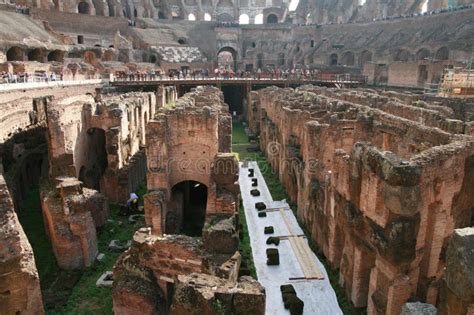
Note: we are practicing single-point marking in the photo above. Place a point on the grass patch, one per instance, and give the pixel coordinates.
(74, 292)
(86, 298)
(244, 245)
(278, 192)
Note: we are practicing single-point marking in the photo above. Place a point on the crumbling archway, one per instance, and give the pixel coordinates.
(15, 54)
(56, 55)
(36, 54)
(227, 58)
(187, 208)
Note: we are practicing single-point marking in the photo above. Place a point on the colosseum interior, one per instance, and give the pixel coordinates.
(237, 157)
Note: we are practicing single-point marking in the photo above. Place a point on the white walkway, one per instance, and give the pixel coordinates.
(297, 261)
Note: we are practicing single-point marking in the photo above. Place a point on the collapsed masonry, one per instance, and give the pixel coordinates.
(192, 177)
(20, 290)
(95, 144)
(381, 183)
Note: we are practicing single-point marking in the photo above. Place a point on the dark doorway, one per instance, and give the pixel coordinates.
(83, 8)
(333, 60)
(96, 163)
(15, 54)
(422, 74)
(272, 19)
(234, 97)
(187, 211)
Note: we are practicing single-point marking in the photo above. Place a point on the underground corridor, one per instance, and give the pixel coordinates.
(188, 201)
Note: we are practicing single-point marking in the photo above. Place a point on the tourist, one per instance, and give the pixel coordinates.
(132, 203)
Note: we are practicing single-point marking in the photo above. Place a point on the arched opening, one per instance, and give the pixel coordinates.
(423, 54)
(191, 17)
(272, 19)
(36, 55)
(311, 43)
(259, 19)
(442, 54)
(225, 17)
(153, 59)
(207, 17)
(15, 54)
(348, 59)
(108, 55)
(182, 41)
(89, 57)
(161, 15)
(365, 57)
(56, 55)
(227, 58)
(333, 59)
(95, 163)
(83, 8)
(402, 55)
(135, 13)
(244, 19)
(187, 209)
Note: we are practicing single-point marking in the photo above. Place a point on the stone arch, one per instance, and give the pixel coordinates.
(365, 57)
(90, 57)
(272, 19)
(108, 55)
(83, 8)
(402, 55)
(56, 55)
(36, 54)
(207, 17)
(259, 18)
(442, 53)
(16, 54)
(191, 17)
(244, 19)
(423, 54)
(333, 59)
(348, 59)
(228, 50)
(225, 17)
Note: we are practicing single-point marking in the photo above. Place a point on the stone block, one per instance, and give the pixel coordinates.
(221, 236)
(268, 230)
(255, 192)
(260, 206)
(273, 257)
(106, 280)
(418, 308)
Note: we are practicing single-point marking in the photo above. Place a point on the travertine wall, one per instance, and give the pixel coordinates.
(20, 290)
(380, 194)
(190, 142)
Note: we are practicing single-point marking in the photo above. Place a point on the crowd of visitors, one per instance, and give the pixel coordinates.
(24, 77)
(223, 73)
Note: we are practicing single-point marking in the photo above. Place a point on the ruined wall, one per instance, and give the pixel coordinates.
(100, 142)
(189, 143)
(71, 214)
(19, 281)
(379, 193)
